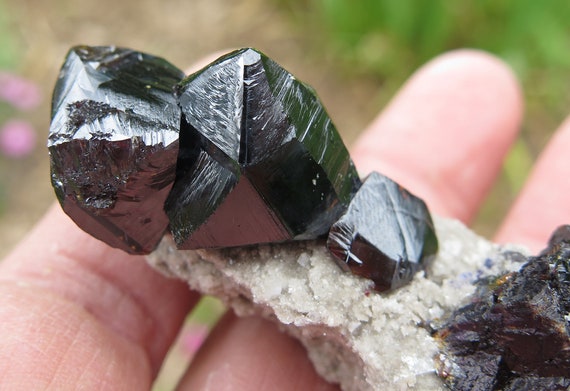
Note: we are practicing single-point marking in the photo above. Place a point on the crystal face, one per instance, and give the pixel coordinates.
(113, 143)
(260, 160)
(516, 332)
(238, 153)
(386, 234)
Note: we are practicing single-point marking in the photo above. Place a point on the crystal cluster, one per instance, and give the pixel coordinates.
(113, 143)
(515, 334)
(242, 153)
(238, 153)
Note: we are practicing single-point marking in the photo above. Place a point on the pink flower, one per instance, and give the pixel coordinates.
(19, 92)
(192, 337)
(17, 138)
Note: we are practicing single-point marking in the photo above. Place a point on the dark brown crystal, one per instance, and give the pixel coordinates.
(386, 234)
(260, 160)
(113, 143)
(515, 334)
(238, 153)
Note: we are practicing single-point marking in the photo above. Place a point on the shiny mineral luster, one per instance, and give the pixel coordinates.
(113, 143)
(515, 333)
(386, 234)
(260, 160)
(239, 153)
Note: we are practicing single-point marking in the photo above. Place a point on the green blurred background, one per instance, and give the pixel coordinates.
(356, 53)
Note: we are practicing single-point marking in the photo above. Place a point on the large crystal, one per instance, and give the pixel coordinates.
(386, 234)
(515, 334)
(113, 143)
(260, 160)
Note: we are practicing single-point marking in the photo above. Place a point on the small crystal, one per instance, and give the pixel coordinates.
(260, 160)
(113, 143)
(386, 234)
(515, 334)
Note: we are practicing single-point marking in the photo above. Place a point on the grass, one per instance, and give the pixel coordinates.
(390, 39)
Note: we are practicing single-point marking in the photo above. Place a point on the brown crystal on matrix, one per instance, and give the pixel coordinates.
(386, 235)
(260, 160)
(113, 143)
(515, 335)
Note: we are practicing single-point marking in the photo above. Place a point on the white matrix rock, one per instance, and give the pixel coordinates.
(354, 336)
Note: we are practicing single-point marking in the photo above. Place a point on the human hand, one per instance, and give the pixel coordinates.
(75, 313)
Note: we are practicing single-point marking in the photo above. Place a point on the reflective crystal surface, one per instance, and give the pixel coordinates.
(113, 143)
(515, 334)
(386, 234)
(260, 160)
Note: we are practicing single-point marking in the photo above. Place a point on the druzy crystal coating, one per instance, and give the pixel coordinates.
(515, 335)
(386, 234)
(113, 143)
(260, 160)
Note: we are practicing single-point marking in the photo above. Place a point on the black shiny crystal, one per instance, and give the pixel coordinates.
(238, 153)
(260, 160)
(386, 234)
(515, 334)
(113, 143)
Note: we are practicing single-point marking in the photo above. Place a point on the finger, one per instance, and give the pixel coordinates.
(83, 312)
(243, 349)
(446, 133)
(121, 315)
(251, 354)
(544, 202)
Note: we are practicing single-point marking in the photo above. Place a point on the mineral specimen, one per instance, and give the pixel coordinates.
(361, 340)
(386, 234)
(239, 153)
(113, 143)
(260, 160)
(515, 335)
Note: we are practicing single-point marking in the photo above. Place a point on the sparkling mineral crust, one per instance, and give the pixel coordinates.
(113, 143)
(260, 160)
(386, 235)
(515, 335)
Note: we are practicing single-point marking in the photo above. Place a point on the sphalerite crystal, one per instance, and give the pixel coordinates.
(238, 153)
(386, 234)
(113, 143)
(260, 160)
(515, 334)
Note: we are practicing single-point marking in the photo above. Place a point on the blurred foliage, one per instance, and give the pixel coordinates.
(8, 42)
(387, 40)
(19, 97)
(392, 38)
